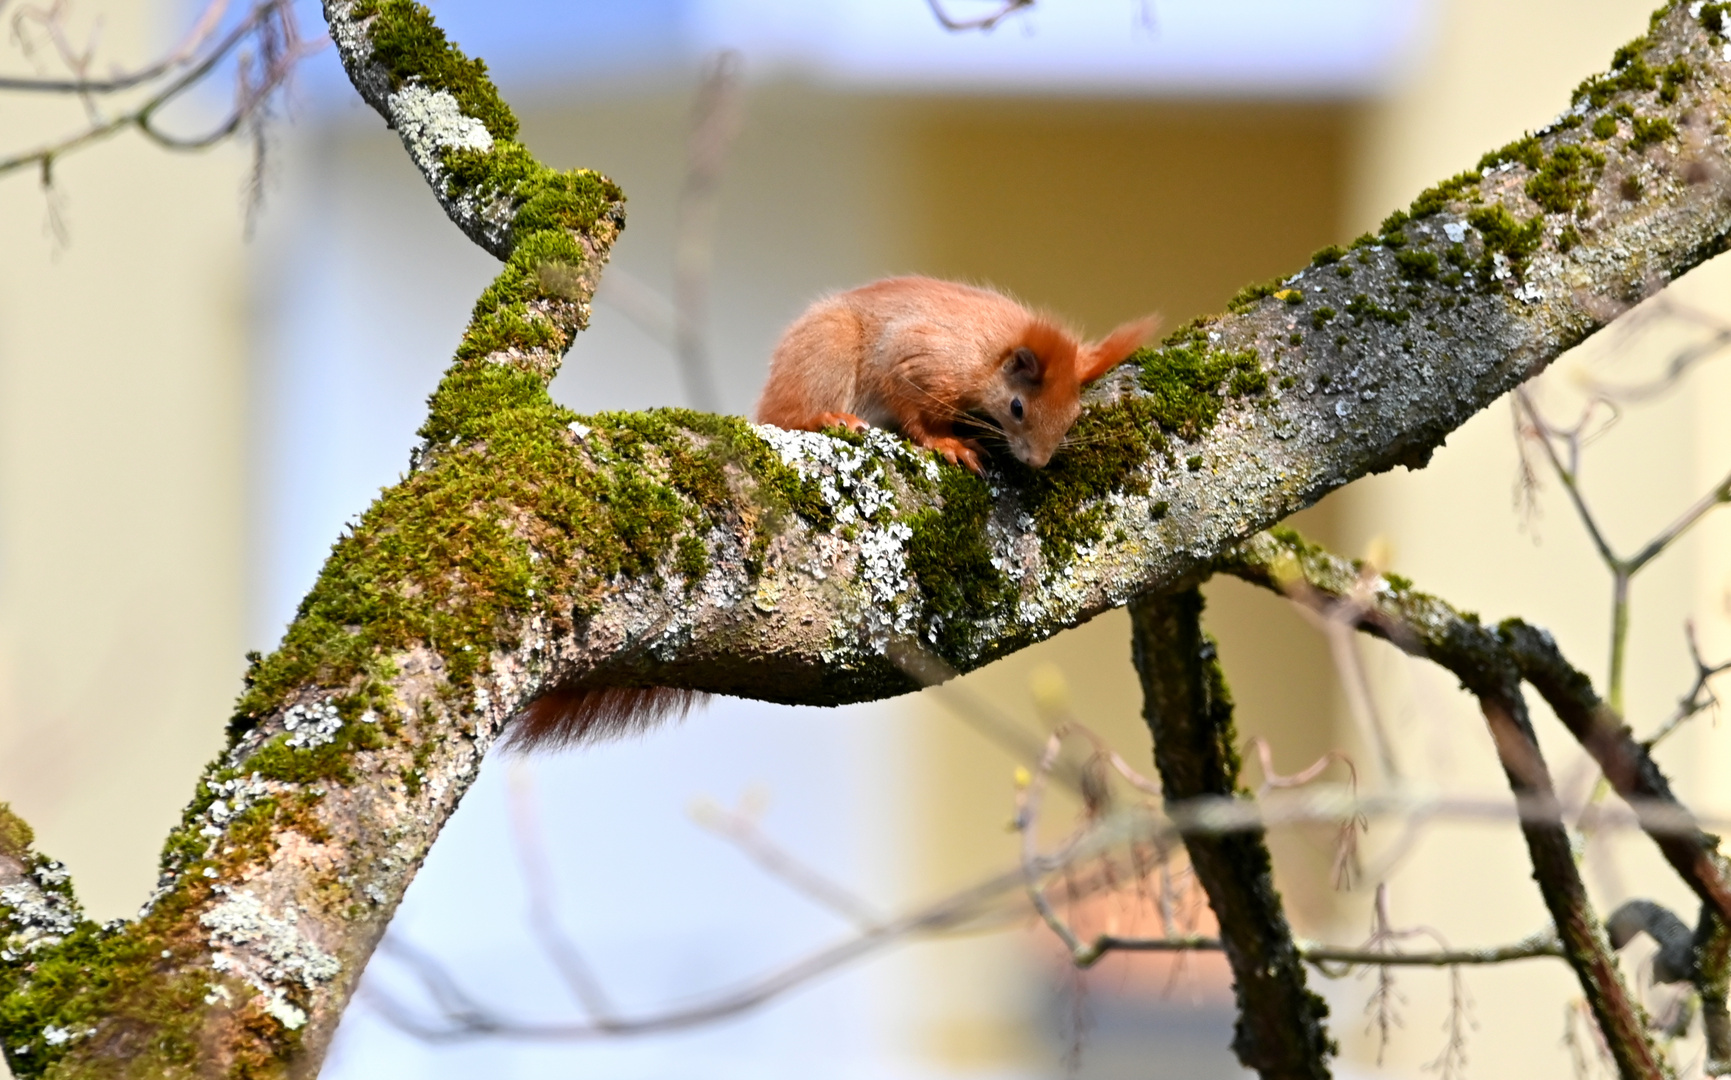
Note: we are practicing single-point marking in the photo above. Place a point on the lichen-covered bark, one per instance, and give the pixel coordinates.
(1357, 364)
(1279, 1031)
(529, 545)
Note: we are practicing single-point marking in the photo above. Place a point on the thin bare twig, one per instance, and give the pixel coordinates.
(573, 969)
(1346, 865)
(1568, 473)
(270, 26)
(1666, 306)
(1623, 570)
(460, 1016)
(716, 120)
(201, 30)
(741, 830)
(1337, 617)
(951, 913)
(1006, 8)
(1700, 697)
(940, 680)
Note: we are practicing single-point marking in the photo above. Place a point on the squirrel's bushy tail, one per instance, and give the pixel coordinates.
(565, 716)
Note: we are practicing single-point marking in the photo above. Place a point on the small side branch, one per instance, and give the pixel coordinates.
(1280, 1031)
(981, 22)
(715, 123)
(1422, 625)
(741, 830)
(1622, 1022)
(1700, 696)
(1335, 960)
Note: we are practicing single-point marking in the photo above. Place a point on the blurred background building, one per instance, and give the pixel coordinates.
(187, 419)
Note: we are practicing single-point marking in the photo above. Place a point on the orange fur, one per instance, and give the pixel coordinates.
(919, 355)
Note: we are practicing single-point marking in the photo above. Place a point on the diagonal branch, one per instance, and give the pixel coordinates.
(1485, 661)
(1622, 1022)
(1425, 626)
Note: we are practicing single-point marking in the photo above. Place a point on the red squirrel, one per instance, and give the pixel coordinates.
(911, 353)
(920, 355)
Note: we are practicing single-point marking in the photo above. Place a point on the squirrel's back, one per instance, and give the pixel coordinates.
(854, 351)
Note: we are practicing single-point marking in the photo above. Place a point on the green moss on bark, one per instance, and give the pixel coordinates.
(1462, 186)
(950, 558)
(1514, 240)
(15, 834)
(413, 48)
(1565, 178)
(530, 509)
(1188, 381)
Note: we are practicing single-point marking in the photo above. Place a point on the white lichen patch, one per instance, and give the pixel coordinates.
(854, 484)
(432, 122)
(311, 725)
(286, 1013)
(266, 951)
(38, 911)
(233, 797)
(850, 478)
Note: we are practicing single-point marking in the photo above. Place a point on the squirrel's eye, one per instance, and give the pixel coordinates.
(1016, 408)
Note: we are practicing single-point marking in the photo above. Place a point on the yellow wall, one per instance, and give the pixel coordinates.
(122, 470)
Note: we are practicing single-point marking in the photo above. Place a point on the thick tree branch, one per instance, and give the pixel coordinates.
(1365, 362)
(530, 547)
(1280, 1030)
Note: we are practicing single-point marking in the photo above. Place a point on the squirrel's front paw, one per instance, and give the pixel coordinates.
(959, 452)
(839, 419)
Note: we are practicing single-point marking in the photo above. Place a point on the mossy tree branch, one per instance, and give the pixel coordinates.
(1280, 1031)
(530, 546)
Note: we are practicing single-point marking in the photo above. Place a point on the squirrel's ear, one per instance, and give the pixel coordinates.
(1099, 357)
(1023, 365)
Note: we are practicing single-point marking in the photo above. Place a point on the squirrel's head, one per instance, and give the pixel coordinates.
(1038, 393)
